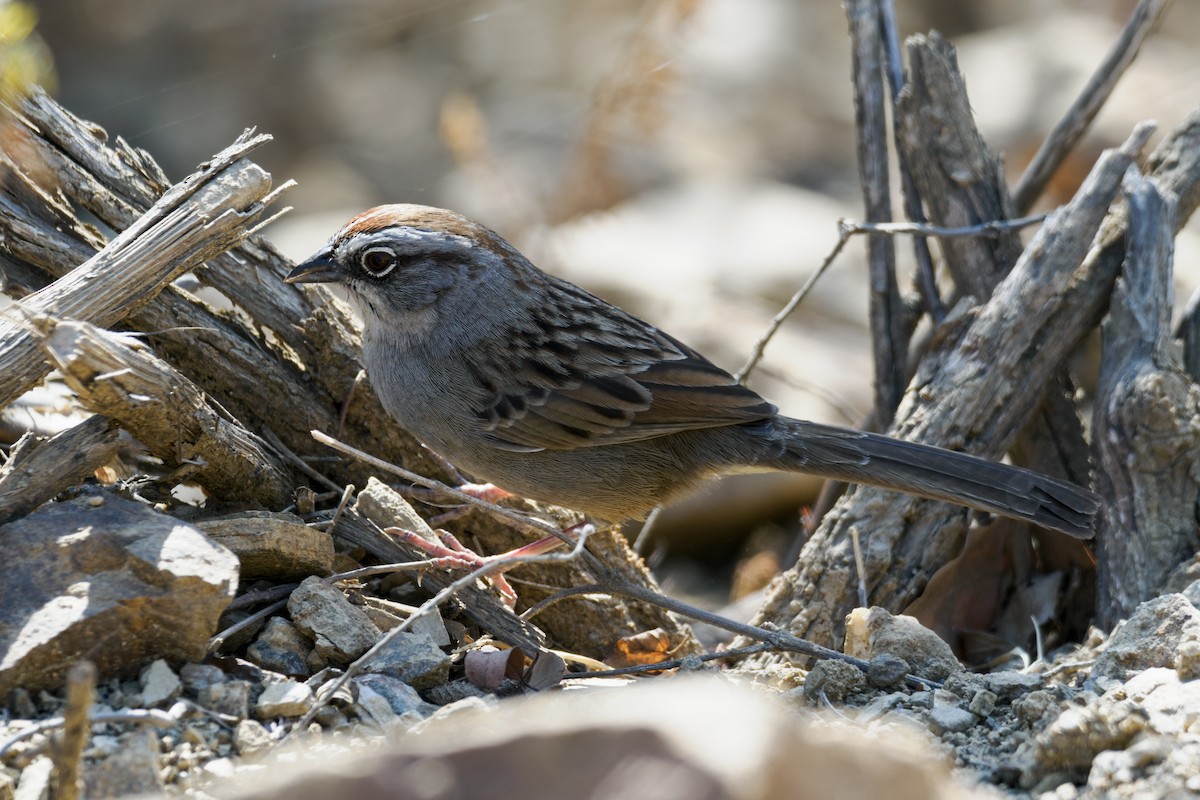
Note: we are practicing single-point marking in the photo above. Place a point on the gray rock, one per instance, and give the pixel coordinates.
(196, 677)
(887, 671)
(131, 770)
(1149, 638)
(452, 692)
(413, 659)
(951, 719)
(250, 738)
(284, 699)
(1032, 707)
(231, 698)
(1010, 685)
(281, 648)
(160, 685)
(401, 698)
(982, 703)
(834, 680)
(873, 632)
(108, 580)
(275, 546)
(342, 631)
(35, 780)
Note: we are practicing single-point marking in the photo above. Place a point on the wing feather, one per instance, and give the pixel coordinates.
(583, 373)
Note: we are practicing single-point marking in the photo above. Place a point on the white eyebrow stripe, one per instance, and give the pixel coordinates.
(407, 241)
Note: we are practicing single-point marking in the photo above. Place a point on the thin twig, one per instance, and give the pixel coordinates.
(1087, 105)
(296, 461)
(483, 571)
(889, 335)
(894, 68)
(141, 716)
(643, 537)
(674, 663)
(347, 493)
(850, 227)
(785, 312)
(859, 567)
(995, 227)
(529, 523)
(67, 753)
(778, 640)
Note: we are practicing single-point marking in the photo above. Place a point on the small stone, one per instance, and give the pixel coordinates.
(231, 698)
(22, 704)
(951, 719)
(284, 699)
(1033, 706)
(401, 698)
(196, 677)
(131, 770)
(281, 648)
(342, 631)
(315, 662)
(887, 671)
(373, 706)
(101, 746)
(331, 718)
(873, 632)
(413, 659)
(1149, 638)
(160, 685)
(220, 768)
(35, 779)
(834, 680)
(449, 693)
(1010, 685)
(982, 703)
(194, 736)
(250, 738)
(1187, 660)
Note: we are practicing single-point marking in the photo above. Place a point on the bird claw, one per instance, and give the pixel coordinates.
(450, 553)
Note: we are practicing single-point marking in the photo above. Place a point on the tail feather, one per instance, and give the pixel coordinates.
(937, 473)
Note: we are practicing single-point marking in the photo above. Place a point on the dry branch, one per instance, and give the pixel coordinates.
(379, 507)
(37, 471)
(1070, 129)
(977, 394)
(166, 412)
(202, 216)
(252, 374)
(1147, 419)
(964, 184)
(889, 328)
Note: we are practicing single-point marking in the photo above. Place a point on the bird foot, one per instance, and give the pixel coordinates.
(450, 553)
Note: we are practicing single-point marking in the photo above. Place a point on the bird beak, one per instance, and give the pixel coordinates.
(321, 268)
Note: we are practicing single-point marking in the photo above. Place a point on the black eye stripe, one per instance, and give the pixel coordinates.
(378, 261)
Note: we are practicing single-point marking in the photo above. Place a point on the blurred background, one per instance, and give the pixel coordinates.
(688, 159)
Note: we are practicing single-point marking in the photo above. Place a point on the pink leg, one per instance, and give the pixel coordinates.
(452, 554)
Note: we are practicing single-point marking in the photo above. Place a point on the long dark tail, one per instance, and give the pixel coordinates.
(927, 471)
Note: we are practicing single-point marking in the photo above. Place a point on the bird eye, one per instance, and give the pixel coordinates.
(378, 261)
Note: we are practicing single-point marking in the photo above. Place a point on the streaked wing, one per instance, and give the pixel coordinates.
(583, 373)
